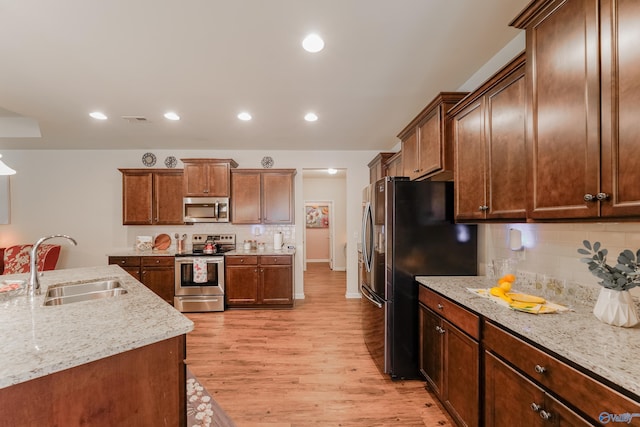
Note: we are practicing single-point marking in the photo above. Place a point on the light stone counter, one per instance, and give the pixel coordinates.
(268, 250)
(136, 252)
(609, 351)
(36, 340)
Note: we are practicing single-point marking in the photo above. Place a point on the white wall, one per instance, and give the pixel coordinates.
(79, 193)
(335, 190)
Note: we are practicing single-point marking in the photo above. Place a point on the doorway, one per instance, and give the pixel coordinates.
(319, 231)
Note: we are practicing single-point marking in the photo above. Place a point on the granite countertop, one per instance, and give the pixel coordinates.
(38, 340)
(268, 250)
(608, 351)
(137, 252)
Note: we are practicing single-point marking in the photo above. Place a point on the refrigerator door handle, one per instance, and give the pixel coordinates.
(367, 246)
(367, 294)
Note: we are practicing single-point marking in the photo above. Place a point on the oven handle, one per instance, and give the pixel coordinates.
(210, 260)
(366, 293)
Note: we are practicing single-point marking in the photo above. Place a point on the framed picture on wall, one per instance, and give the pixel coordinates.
(317, 216)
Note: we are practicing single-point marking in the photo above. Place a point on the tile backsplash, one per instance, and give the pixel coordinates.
(550, 254)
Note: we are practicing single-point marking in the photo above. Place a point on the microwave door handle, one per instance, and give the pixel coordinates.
(217, 210)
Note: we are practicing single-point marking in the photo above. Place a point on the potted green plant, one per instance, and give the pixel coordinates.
(615, 304)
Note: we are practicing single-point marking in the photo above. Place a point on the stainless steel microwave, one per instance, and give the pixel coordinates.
(205, 209)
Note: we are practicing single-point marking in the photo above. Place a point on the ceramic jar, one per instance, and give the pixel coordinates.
(616, 308)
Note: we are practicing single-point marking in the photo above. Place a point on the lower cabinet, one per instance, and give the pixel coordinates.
(253, 281)
(450, 355)
(155, 272)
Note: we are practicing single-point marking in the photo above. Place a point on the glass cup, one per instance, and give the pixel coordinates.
(503, 266)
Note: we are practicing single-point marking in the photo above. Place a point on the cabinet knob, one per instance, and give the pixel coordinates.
(602, 196)
(205, 191)
(440, 330)
(589, 198)
(241, 261)
(440, 306)
(540, 369)
(157, 261)
(123, 262)
(483, 208)
(416, 170)
(545, 415)
(535, 407)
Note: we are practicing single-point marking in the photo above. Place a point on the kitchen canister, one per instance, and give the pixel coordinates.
(277, 240)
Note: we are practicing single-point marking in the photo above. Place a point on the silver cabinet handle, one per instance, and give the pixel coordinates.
(440, 306)
(440, 330)
(483, 208)
(589, 197)
(416, 170)
(535, 407)
(540, 369)
(602, 196)
(545, 415)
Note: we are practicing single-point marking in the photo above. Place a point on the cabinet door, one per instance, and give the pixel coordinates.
(559, 415)
(431, 348)
(167, 194)
(410, 159)
(461, 376)
(564, 95)
(277, 198)
(160, 280)
(241, 285)
(468, 135)
(196, 179)
(508, 396)
(277, 284)
(245, 198)
(137, 190)
(505, 147)
(620, 100)
(218, 180)
(430, 144)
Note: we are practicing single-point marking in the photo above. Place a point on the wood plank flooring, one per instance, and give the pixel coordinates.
(307, 366)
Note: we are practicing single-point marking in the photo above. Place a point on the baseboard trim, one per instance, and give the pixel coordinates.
(318, 260)
(353, 295)
(299, 296)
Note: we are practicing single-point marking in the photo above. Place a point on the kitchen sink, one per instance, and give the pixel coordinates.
(75, 292)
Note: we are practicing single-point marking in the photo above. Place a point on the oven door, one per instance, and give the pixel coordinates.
(199, 275)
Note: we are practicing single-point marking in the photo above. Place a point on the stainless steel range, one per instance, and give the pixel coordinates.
(199, 284)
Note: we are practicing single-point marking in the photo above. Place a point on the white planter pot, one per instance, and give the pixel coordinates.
(616, 308)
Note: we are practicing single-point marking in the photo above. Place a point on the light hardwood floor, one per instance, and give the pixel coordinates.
(307, 366)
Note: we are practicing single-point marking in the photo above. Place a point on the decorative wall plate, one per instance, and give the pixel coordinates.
(170, 162)
(148, 159)
(267, 162)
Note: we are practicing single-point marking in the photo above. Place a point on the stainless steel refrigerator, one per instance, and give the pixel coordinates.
(407, 230)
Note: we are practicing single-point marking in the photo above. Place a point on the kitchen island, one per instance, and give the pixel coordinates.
(570, 356)
(110, 361)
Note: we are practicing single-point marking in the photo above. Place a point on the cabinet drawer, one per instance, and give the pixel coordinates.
(275, 260)
(585, 393)
(461, 318)
(125, 261)
(241, 260)
(158, 261)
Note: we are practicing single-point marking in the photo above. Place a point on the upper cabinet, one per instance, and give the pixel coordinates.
(583, 138)
(151, 196)
(489, 142)
(427, 148)
(261, 196)
(378, 167)
(207, 177)
(394, 165)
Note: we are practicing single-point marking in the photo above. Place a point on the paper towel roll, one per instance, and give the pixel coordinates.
(277, 240)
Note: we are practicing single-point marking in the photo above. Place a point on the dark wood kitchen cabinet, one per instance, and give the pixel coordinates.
(152, 197)
(155, 272)
(394, 165)
(489, 144)
(427, 147)
(259, 281)
(207, 177)
(450, 355)
(262, 197)
(519, 375)
(583, 138)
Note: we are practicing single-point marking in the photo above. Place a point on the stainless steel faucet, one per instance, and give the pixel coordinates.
(34, 281)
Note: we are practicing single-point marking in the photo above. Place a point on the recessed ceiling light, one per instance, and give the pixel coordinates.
(311, 117)
(244, 116)
(313, 43)
(171, 116)
(332, 171)
(98, 115)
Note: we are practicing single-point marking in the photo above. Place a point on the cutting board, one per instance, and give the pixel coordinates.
(162, 242)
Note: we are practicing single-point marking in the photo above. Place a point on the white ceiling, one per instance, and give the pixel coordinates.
(207, 60)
